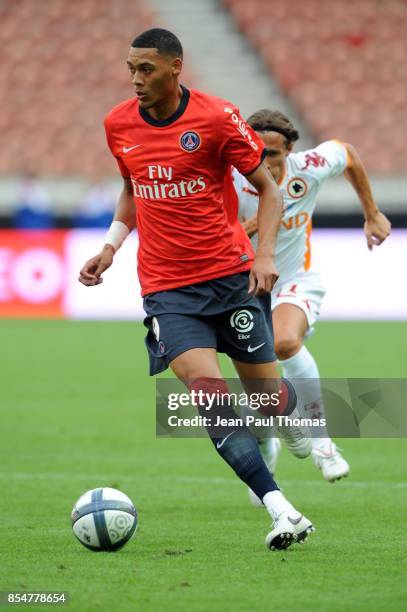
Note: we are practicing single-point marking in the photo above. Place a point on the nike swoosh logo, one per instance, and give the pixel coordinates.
(220, 444)
(294, 521)
(251, 349)
(128, 149)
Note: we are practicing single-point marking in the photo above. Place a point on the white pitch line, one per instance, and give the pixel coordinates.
(310, 483)
(60, 476)
(348, 483)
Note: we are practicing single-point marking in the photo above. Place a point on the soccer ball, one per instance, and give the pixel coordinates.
(104, 519)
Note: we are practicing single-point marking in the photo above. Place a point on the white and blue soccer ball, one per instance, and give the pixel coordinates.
(104, 519)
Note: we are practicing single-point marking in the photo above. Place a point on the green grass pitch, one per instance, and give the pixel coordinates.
(77, 412)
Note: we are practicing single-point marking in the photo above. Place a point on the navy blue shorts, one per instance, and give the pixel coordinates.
(217, 314)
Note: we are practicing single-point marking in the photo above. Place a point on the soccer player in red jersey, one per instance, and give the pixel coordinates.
(204, 290)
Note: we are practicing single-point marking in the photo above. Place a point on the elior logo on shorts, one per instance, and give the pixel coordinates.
(242, 321)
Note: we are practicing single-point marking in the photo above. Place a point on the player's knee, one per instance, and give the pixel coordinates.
(192, 366)
(287, 345)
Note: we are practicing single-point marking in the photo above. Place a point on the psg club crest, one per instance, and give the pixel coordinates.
(297, 188)
(190, 141)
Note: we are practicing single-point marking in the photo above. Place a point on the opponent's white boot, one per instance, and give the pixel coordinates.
(287, 529)
(296, 440)
(330, 461)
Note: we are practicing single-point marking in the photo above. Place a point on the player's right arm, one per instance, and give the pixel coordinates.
(124, 221)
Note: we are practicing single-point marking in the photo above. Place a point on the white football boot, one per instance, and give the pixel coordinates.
(287, 530)
(270, 449)
(295, 438)
(330, 461)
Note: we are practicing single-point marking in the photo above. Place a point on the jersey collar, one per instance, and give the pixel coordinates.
(165, 122)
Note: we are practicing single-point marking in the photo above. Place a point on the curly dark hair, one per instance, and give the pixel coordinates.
(266, 120)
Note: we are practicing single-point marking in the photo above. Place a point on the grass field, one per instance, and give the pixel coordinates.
(77, 412)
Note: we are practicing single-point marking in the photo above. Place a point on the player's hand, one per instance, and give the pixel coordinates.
(376, 230)
(263, 275)
(91, 273)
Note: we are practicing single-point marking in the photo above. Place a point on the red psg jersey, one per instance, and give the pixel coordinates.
(232, 209)
(180, 169)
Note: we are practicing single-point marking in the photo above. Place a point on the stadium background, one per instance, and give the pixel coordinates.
(338, 69)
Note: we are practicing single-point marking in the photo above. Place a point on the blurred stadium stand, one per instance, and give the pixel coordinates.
(342, 64)
(57, 64)
(228, 66)
(337, 68)
(62, 68)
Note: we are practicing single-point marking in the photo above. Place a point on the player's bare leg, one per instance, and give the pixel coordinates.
(199, 369)
(196, 363)
(290, 326)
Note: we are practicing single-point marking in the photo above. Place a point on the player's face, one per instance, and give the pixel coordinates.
(153, 75)
(277, 148)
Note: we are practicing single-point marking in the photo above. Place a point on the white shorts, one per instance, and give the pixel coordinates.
(305, 290)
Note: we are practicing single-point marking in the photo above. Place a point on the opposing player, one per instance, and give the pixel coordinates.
(201, 284)
(298, 293)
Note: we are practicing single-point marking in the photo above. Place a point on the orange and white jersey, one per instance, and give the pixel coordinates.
(305, 173)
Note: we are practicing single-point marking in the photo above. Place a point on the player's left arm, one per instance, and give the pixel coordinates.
(376, 227)
(264, 274)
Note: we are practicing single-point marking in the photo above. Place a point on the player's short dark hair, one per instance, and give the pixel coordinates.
(266, 120)
(164, 41)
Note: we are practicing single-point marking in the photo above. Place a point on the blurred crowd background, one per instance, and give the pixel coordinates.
(338, 68)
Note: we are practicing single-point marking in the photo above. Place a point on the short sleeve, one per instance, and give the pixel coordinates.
(327, 160)
(122, 166)
(240, 145)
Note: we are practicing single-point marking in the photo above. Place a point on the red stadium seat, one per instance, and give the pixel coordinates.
(342, 64)
(62, 68)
